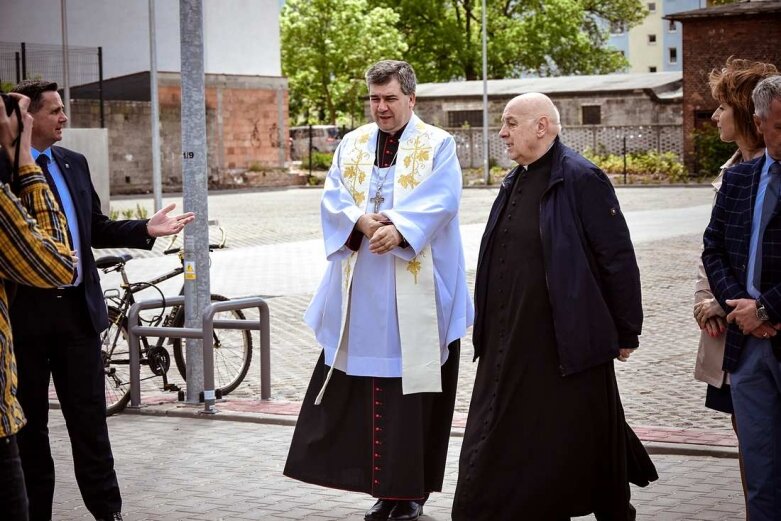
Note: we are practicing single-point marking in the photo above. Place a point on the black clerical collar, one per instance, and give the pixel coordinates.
(545, 160)
(387, 148)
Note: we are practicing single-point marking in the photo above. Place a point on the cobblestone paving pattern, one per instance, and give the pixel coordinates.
(656, 385)
(269, 217)
(174, 469)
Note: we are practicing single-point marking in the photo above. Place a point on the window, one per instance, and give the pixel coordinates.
(651, 39)
(651, 7)
(673, 55)
(672, 26)
(617, 27)
(652, 69)
(461, 118)
(591, 114)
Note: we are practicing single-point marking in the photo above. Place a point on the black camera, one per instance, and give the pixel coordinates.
(10, 103)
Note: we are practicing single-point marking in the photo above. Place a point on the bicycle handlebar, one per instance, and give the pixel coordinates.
(217, 246)
(212, 247)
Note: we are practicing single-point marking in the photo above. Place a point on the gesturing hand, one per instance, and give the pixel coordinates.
(162, 224)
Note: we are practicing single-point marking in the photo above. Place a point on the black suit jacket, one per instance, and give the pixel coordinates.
(96, 230)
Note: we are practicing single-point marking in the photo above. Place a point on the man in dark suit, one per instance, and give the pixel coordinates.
(57, 331)
(742, 258)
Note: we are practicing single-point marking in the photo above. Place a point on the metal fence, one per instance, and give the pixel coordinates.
(603, 139)
(19, 61)
(22, 61)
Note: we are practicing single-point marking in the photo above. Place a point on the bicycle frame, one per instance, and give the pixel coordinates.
(123, 298)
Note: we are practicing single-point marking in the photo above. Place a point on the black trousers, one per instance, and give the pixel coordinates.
(66, 347)
(13, 497)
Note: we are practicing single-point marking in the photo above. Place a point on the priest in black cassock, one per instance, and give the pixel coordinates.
(557, 298)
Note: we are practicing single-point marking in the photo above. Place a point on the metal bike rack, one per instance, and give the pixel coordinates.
(206, 334)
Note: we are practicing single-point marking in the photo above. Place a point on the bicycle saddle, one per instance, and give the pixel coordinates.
(112, 260)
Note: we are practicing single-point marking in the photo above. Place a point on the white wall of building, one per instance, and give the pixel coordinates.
(240, 36)
(93, 143)
(643, 54)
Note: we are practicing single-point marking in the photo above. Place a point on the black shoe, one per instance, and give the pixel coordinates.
(380, 511)
(116, 516)
(406, 511)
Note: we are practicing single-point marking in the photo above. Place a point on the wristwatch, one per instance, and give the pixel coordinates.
(762, 312)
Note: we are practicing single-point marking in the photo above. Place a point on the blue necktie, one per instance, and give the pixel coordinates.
(43, 162)
(768, 206)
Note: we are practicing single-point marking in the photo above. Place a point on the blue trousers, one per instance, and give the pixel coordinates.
(13, 495)
(756, 396)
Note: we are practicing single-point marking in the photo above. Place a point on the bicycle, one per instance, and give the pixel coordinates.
(232, 348)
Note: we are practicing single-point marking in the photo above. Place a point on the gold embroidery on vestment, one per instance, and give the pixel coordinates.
(352, 172)
(419, 153)
(413, 267)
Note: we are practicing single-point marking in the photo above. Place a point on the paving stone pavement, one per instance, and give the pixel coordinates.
(266, 229)
(175, 469)
(187, 469)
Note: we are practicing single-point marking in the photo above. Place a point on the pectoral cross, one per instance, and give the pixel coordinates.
(378, 199)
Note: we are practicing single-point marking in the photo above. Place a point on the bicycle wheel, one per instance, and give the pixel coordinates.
(232, 350)
(116, 362)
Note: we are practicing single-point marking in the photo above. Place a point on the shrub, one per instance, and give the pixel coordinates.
(255, 167)
(643, 167)
(710, 152)
(139, 212)
(320, 161)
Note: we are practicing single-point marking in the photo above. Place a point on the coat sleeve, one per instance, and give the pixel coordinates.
(702, 289)
(715, 256)
(432, 204)
(613, 255)
(107, 233)
(33, 244)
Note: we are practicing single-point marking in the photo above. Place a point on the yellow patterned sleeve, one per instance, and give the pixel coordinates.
(33, 233)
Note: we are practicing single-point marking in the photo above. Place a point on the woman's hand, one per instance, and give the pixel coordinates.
(706, 309)
(715, 326)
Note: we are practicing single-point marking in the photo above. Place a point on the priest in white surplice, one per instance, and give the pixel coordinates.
(390, 310)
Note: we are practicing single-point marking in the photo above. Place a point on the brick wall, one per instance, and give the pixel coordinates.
(707, 43)
(242, 125)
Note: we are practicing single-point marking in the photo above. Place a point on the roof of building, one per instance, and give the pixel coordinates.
(659, 82)
(736, 9)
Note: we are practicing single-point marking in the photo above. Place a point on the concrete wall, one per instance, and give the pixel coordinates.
(93, 143)
(240, 36)
(636, 108)
(648, 124)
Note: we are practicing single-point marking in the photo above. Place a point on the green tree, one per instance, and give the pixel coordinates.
(326, 47)
(550, 37)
